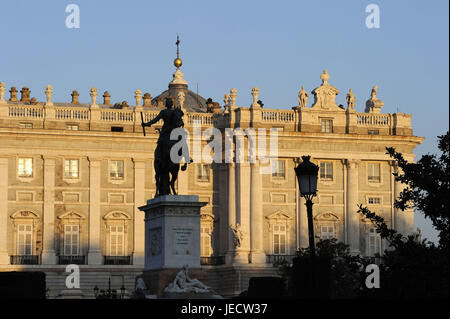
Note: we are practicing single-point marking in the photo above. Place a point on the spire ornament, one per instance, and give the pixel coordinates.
(178, 62)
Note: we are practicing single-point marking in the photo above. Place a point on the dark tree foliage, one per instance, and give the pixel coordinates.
(346, 269)
(427, 187)
(412, 268)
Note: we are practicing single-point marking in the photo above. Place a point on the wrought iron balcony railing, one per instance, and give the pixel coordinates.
(117, 260)
(77, 260)
(24, 260)
(212, 260)
(273, 259)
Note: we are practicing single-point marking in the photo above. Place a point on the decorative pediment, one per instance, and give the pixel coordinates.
(25, 214)
(325, 95)
(207, 217)
(278, 216)
(329, 217)
(71, 215)
(116, 216)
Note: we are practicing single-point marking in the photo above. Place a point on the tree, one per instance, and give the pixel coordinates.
(412, 268)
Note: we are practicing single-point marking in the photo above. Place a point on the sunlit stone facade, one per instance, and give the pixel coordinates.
(72, 177)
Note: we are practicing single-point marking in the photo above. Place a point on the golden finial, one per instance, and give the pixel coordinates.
(177, 62)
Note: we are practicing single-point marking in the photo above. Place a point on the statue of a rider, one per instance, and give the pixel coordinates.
(173, 119)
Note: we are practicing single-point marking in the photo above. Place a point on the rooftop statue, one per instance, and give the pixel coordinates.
(302, 97)
(163, 163)
(351, 100)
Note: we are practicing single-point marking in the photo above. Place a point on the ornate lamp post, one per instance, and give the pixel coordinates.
(307, 180)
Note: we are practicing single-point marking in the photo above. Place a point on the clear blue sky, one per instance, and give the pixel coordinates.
(278, 46)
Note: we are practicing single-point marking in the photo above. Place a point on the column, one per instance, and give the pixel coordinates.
(303, 223)
(139, 224)
(256, 216)
(48, 247)
(223, 202)
(243, 211)
(352, 217)
(231, 210)
(94, 254)
(4, 260)
(404, 220)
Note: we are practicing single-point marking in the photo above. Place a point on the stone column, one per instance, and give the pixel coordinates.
(94, 254)
(243, 211)
(231, 210)
(139, 224)
(256, 216)
(4, 260)
(303, 223)
(353, 217)
(403, 220)
(48, 247)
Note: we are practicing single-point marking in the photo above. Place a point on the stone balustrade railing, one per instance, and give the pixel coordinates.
(374, 120)
(278, 116)
(386, 123)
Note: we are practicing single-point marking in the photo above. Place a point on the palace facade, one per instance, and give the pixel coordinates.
(72, 176)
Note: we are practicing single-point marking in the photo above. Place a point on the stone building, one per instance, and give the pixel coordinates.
(72, 176)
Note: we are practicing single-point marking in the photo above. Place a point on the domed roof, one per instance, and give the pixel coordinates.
(192, 100)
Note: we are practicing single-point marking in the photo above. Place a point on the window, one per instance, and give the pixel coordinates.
(24, 239)
(203, 172)
(116, 240)
(116, 129)
(25, 125)
(373, 173)
(327, 126)
(72, 127)
(279, 240)
(278, 169)
(116, 170)
(71, 240)
(374, 242)
(374, 200)
(71, 168)
(373, 132)
(326, 170)
(326, 232)
(25, 167)
(205, 246)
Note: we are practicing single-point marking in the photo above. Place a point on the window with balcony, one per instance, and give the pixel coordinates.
(373, 172)
(279, 239)
(71, 168)
(25, 167)
(326, 171)
(71, 240)
(116, 170)
(24, 239)
(327, 126)
(116, 240)
(25, 125)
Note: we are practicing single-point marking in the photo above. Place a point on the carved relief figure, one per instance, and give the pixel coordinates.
(183, 283)
(238, 235)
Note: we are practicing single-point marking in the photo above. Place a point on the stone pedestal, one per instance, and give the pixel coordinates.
(172, 232)
(172, 238)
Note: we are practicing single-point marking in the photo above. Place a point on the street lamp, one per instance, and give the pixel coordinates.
(307, 180)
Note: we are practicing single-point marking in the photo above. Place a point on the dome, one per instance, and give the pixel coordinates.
(192, 100)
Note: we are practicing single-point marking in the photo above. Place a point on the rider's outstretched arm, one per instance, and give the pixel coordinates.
(156, 119)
